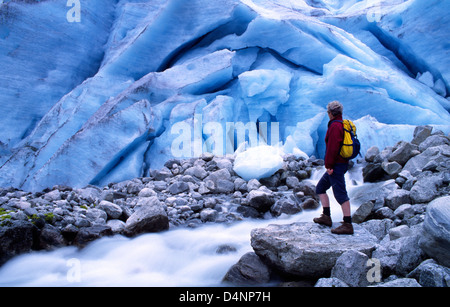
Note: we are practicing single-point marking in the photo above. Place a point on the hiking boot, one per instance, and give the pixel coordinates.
(323, 220)
(344, 229)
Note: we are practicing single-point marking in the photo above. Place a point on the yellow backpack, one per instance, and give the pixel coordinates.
(351, 146)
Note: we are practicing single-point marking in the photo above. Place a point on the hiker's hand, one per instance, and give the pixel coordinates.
(330, 171)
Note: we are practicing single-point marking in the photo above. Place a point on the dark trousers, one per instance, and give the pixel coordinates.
(335, 181)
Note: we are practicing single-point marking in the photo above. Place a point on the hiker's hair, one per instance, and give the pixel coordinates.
(335, 108)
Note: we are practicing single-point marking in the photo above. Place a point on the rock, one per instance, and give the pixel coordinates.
(403, 151)
(178, 187)
(426, 189)
(285, 205)
(420, 134)
(147, 192)
(197, 171)
(363, 211)
(208, 215)
(399, 256)
(261, 200)
(435, 238)
(50, 237)
(399, 231)
(248, 271)
(310, 204)
(397, 198)
(372, 192)
(89, 234)
(292, 182)
(383, 155)
(149, 217)
(222, 174)
(391, 168)
(399, 283)
(379, 228)
(112, 210)
(351, 268)
(373, 172)
(404, 211)
(95, 215)
(15, 239)
(240, 185)
(371, 153)
(224, 186)
(330, 282)
(247, 211)
(117, 226)
(162, 174)
(307, 250)
(90, 194)
(438, 154)
(434, 140)
(430, 274)
(253, 184)
(53, 195)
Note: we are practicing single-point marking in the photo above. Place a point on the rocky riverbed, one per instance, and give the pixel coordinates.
(401, 225)
(185, 193)
(402, 228)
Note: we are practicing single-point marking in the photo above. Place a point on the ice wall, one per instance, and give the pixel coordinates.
(135, 82)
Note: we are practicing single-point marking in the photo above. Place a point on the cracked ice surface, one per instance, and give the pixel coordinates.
(97, 101)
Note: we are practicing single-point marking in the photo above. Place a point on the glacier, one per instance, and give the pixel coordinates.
(134, 83)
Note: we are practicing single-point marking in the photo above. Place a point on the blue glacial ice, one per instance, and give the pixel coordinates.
(137, 82)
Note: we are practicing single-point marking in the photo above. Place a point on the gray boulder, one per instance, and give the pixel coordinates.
(372, 192)
(363, 211)
(89, 234)
(399, 256)
(307, 249)
(434, 140)
(249, 270)
(430, 274)
(285, 205)
(438, 154)
(373, 172)
(426, 188)
(379, 228)
(261, 199)
(351, 268)
(112, 210)
(403, 151)
(178, 187)
(399, 283)
(435, 238)
(397, 198)
(149, 216)
(15, 239)
(371, 153)
(421, 133)
(331, 282)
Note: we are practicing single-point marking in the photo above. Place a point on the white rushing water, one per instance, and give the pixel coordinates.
(179, 257)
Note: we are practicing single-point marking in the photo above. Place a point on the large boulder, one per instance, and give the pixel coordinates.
(15, 239)
(261, 199)
(403, 151)
(435, 238)
(439, 154)
(426, 188)
(150, 216)
(249, 270)
(399, 256)
(307, 250)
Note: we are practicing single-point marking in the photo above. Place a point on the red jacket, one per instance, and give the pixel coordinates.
(333, 141)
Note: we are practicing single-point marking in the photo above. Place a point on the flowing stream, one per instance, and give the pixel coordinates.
(178, 257)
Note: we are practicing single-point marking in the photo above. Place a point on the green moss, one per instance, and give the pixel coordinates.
(49, 217)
